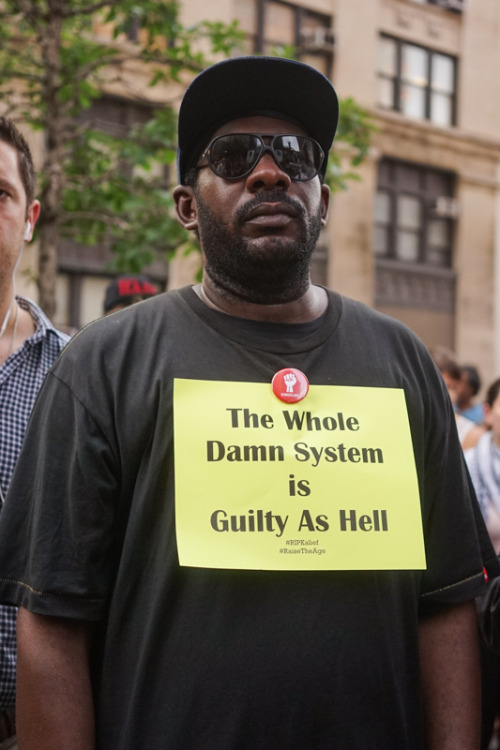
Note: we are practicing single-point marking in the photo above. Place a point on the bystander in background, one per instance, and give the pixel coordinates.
(29, 345)
(126, 290)
(468, 431)
(469, 386)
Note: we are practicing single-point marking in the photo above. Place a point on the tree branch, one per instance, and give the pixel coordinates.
(103, 216)
(86, 10)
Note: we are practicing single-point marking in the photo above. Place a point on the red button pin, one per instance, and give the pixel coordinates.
(290, 385)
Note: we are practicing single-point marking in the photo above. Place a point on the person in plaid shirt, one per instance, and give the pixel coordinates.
(29, 345)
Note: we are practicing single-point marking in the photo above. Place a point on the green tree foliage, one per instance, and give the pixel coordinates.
(97, 188)
(353, 140)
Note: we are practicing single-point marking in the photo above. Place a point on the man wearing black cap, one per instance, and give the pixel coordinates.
(241, 516)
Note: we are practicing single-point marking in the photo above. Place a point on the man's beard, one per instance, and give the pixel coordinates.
(272, 270)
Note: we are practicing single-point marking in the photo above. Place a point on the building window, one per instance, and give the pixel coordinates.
(456, 6)
(273, 26)
(416, 81)
(414, 214)
(116, 116)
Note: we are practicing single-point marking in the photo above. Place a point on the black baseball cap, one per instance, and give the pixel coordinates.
(246, 86)
(124, 288)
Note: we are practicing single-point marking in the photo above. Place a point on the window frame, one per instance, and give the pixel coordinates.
(398, 81)
(259, 40)
(395, 188)
(458, 7)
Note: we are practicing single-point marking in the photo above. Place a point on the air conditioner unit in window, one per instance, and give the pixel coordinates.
(446, 207)
(319, 40)
(457, 5)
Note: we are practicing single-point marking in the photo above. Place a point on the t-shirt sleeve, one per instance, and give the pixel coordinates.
(459, 554)
(57, 525)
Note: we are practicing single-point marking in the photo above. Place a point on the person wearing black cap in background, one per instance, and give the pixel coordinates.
(299, 580)
(126, 290)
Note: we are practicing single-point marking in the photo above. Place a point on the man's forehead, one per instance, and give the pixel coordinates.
(259, 124)
(9, 165)
(8, 156)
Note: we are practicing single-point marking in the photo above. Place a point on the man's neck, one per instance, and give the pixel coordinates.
(19, 327)
(7, 307)
(309, 306)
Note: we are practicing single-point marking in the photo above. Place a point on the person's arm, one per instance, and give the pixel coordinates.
(54, 706)
(472, 437)
(451, 679)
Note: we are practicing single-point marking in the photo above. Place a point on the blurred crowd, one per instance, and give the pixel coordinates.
(478, 425)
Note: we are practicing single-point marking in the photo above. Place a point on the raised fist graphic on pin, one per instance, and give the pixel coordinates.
(290, 381)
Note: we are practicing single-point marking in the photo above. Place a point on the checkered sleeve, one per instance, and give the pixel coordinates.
(21, 377)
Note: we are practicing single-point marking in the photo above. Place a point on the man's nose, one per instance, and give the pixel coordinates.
(267, 174)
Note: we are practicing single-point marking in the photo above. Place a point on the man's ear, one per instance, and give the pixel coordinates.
(325, 202)
(33, 213)
(185, 206)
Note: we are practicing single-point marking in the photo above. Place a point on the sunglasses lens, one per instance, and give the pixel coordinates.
(298, 156)
(232, 156)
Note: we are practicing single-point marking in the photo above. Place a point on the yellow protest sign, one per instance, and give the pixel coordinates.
(328, 483)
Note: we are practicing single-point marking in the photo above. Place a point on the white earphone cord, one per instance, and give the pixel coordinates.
(9, 311)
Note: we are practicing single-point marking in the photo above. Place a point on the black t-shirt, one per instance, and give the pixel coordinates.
(235, 659)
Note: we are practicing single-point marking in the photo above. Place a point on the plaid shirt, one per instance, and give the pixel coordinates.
(21, 377)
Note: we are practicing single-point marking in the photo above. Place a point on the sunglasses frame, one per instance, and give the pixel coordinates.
(264, 149)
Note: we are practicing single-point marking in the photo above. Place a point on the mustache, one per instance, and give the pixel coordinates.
(273, 196)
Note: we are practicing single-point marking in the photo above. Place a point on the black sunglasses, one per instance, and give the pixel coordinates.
(235, 155)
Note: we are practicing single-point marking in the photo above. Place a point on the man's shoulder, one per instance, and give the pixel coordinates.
(138, 324)
(366, 320)
(123, 351)
(389, 346)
